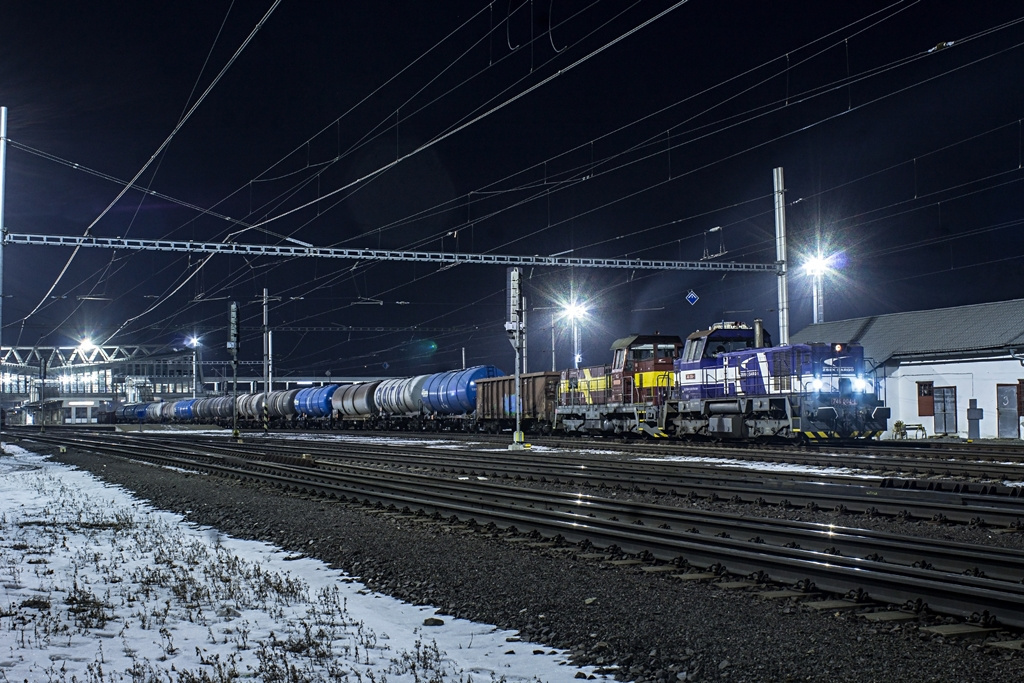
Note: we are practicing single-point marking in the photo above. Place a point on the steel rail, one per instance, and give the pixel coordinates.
(939, 501)
(650, 471)
(507, 506)
(909, 462)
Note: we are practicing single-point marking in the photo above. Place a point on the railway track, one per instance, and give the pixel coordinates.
(916, 458)
(985, 460)
(950, 578)
(869, 492)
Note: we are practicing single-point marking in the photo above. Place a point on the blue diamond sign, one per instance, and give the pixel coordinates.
(692, 297)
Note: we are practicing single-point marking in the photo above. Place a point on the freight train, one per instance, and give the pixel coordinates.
(723, 383)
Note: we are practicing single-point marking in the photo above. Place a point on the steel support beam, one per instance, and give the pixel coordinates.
(288, 251)
(68, 356)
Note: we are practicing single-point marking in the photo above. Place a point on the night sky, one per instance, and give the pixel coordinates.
(898, 126)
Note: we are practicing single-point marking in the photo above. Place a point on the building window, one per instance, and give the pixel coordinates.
(926, 399)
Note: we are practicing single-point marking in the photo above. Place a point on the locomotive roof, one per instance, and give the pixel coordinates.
(725, 333)
(956, 332)
(625, 342)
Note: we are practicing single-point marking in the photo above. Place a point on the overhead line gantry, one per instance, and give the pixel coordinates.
(290, 251)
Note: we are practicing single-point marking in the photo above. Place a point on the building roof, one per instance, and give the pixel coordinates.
(975, 330)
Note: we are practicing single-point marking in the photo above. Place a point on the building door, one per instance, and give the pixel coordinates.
(945, 410)
(1006, 411)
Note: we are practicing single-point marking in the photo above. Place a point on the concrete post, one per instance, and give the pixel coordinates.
(974, 417)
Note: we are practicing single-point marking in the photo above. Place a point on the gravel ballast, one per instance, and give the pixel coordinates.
(653, 627)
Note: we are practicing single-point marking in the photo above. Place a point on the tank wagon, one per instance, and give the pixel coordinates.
(354, 404)
(400, 402)
(316, 401)
(281, 404)
(440, 401)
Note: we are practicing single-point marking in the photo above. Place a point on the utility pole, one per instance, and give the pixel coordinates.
(3, 192)
(3, 229)
(42, 394)
(554, 363)
(233, 348)
(818, 297)
(522, 308)
(266, 361)
(818, 281)
(515, 330)
(780, 255)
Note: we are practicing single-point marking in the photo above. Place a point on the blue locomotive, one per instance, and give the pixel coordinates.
(731, 383)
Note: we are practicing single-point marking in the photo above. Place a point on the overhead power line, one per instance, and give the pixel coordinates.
(133, 244)
(157, 153)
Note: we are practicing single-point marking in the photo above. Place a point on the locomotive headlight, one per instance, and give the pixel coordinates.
(859, 384)
(816, 384)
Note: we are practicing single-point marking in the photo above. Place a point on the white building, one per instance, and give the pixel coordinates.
(930, 364)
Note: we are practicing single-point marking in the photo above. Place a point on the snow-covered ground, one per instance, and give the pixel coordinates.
(97, 586)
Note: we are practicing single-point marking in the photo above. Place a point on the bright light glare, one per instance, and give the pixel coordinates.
(859, 384)
(86, 344)
(193, 341)
(817, 265)
(816, 384)
(574, 310)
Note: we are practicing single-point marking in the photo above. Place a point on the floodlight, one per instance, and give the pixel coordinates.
(816, 265)
(574, 311)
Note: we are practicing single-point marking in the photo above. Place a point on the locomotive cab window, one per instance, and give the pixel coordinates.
(620, 359)
(719, 346)
(694, 349)
(641, 352)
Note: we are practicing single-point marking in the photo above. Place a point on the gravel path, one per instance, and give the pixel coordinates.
(653, 627)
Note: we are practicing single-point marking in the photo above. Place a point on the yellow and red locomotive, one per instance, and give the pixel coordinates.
(624, 396)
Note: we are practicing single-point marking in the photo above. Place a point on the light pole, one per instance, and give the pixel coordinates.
(817, 266)
(193, 341)
(554, 366)
(575, 311)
